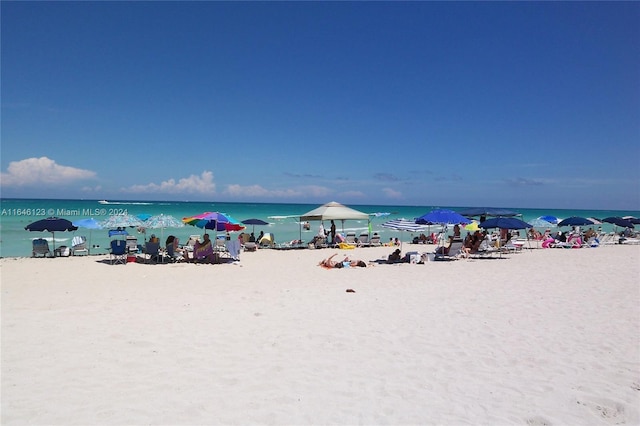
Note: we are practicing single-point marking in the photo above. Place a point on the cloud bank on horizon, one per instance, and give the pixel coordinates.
(45, 174)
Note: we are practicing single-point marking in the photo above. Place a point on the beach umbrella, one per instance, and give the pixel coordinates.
(488, 211)
(442, 217)
(162, 221)
(575, 221)
(53, 225)
(551, 219)
(254, 222)
(403, 225)
(214, 220)
(540, 223)
(473, 226)
(632, 219)
(504, 223)
(117, 232)
(121, 221)
(90, 224)
(618, 221)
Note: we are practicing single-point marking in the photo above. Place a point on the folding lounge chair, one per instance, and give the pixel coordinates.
(350, 238)
(152, 253)
(172, 256)
(40, 248)
(79, 246)
(250, 246)
(486, 249)
(118, 253)
(132, 244)
(363, 239)
(375, 241)
(452, 253)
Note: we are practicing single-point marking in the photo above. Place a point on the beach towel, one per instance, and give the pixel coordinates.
(233, 247)
(202, 251)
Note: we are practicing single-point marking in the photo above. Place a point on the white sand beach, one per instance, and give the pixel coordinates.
(543, 337)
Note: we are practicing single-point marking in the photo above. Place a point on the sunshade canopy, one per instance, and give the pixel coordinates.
(215, 221)
(255, 222)
(404, 225)
(575, 221)
(121, 221)
(334, 211)
(488, 211)
(89, 223)
(504, 223)
(551, 219)
(442, 217)
(619, 221)
(51, 224)
(632, 219)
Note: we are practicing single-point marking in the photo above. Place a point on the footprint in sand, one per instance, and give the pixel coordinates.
(606, 409)
(538, 421)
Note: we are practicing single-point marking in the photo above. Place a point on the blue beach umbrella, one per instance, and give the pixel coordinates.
(618, 221)
(442, 217)
(632, 219)
(551, 219)
(504, 223)
(575, 221)
(254, 222)
(488, 211)
(541, 223)
(90, 224)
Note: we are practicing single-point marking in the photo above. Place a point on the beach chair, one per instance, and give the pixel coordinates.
(350, 238)
(452, 253)
(118, 252)
(152, 252)
(510, 247)
(363, 239)
(172, 255)
(375, 241)
(40, 248)
(250, 246)
(132, 244)
(486, 249)
(79, 246)
(267, 241)
(221, 245)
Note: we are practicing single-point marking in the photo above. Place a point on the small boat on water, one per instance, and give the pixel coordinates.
(103, 202)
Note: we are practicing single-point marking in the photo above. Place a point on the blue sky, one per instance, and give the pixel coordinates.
(510, 104)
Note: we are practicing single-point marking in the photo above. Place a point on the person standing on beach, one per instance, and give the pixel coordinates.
(333, 231)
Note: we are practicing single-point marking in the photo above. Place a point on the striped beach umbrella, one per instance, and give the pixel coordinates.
(404, 225)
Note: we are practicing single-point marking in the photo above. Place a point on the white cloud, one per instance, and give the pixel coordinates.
(193, 184)
(391, 193)
(42, 171)
(258, 191)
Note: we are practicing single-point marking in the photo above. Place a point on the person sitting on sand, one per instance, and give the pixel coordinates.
(395, 257)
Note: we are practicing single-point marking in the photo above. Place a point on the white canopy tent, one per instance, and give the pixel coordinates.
(335, 211)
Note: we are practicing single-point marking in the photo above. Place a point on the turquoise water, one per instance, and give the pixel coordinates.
(15, 241)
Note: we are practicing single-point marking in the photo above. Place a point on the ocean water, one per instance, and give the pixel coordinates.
(283, 220)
